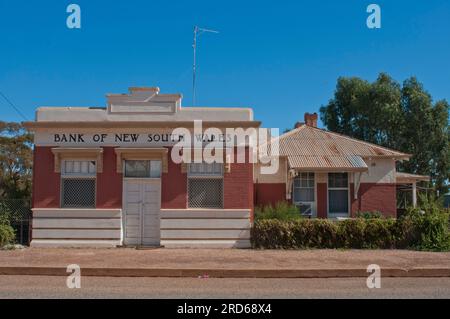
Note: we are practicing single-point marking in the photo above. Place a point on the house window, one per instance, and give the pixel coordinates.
(304, 192)
(78, 183)
(143, 169)
(205, 185)
(338, 193)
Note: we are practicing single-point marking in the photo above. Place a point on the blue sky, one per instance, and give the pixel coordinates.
(281, 58)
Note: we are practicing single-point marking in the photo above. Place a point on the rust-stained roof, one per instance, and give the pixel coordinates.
(312, 141)
(328, 163)
(308, 147)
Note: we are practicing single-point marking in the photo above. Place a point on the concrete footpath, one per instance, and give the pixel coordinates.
(233, 263)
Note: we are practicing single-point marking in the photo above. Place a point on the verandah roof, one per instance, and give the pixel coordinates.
(407, 178)
(327, 163)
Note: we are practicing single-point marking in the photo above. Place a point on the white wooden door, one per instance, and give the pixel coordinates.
(142, 202)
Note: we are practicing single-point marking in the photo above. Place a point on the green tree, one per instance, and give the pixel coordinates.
(401, 117)
(367, 111)
(15, 160)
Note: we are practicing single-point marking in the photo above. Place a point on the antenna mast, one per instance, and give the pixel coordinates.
(197, 32)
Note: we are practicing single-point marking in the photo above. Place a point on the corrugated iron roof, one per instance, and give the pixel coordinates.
(312, 141)
(326, 162)
(406, 177)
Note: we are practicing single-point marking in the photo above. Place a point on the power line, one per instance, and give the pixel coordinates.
(13, 106)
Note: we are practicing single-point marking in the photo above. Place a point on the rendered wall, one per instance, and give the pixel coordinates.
(76, 227)
(212, 228)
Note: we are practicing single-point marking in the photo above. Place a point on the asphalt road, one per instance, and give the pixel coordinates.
(115, 287)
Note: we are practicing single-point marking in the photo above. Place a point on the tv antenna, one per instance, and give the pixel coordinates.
(197, 32)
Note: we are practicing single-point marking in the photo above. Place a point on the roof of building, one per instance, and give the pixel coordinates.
(314, 148)
(409, 178)
(328, 163)
(313, 141)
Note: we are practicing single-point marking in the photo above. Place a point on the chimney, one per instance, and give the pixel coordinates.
(311, 119)
(298, 124)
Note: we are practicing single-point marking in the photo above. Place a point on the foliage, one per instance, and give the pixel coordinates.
(369, 214)
(351, 233)
(380, 233)
(403, 117)
(281, 211)
(15, 161)
(5, 214)
(7, 235)
(14, 210)
(418, 229)
(323, 233)
(430, 225)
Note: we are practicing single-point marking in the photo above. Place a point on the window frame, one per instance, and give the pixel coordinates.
(83, 176)
(308, 179)
(191, 174)
(149, 171)
(331, 188)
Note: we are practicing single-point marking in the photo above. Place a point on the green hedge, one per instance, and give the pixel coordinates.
(416, 230)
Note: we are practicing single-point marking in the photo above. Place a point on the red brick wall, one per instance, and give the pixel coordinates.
(173, 186)
(109, 182)
(375, 196)
(238, 185)
(46, 182)
(269, 193)
(322, 200)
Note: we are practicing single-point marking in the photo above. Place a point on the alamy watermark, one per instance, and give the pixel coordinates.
(374, 279)
(374, 19)
(74, 279)
(229, 145)
(73, 21)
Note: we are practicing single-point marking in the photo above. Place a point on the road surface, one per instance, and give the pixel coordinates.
(122, 287)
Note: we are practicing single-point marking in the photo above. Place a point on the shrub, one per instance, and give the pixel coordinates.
(7, 235)
(424, 228)
(322, 233)
(369, 215)
(281, 211)
(379, 233)
(429, 230)
(351, 233)
(418, 231)
(5, 214)
(272, 233)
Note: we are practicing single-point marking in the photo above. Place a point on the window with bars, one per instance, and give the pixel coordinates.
(78, 179)
(205, 185)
